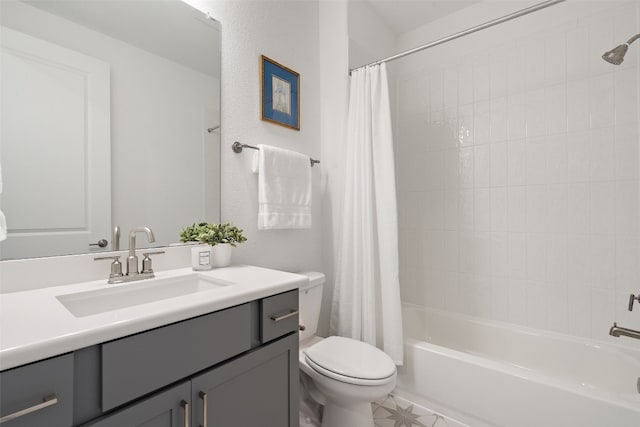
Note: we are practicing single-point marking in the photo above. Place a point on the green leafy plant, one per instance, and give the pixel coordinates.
(212, 234)
(190, 233)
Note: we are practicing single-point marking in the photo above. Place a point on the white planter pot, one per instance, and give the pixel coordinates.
(221, 255)
(201, 257)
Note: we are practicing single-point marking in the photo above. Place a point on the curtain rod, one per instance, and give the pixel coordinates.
(454, 36)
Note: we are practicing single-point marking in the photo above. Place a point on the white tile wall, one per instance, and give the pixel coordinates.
(519, 178)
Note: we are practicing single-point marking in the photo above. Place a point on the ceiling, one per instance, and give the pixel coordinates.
(171, 25)
(405, 15)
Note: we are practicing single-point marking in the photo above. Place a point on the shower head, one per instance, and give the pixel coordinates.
(616, 55)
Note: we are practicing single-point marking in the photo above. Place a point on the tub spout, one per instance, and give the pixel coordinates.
(617, 331)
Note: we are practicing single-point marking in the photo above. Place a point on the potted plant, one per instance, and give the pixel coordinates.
(190, 233)
(220, 238)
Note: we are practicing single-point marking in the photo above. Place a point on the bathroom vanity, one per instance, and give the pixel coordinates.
(219, 356)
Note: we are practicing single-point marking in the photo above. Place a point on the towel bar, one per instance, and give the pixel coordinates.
(237, 148)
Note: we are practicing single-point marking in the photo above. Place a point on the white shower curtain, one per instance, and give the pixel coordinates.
(366, 301)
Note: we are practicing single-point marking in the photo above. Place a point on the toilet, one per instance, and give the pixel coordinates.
(344, 375)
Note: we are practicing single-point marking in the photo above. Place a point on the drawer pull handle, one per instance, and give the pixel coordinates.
(46, 402)
(185, 406)
(279, 317)
(203, 396)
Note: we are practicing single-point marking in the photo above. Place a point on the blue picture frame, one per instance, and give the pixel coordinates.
(280, 94)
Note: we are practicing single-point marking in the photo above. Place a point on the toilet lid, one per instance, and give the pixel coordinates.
(349, 360)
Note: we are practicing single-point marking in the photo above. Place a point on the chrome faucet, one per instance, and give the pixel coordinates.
(133, 273)
(617, 331)
(132, 259)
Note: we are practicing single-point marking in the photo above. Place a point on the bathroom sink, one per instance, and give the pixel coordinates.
(88, 303)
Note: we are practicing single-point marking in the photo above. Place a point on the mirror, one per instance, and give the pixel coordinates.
(110, 116)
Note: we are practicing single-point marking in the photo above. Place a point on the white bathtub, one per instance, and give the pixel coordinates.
(504, 375)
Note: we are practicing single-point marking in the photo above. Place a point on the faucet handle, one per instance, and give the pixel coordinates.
(116, 265)
(632, 299)
(146, 261)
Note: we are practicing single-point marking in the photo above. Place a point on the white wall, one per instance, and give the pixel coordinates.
(334, 85)
(311, 38)
(519, 168)
(370, 38)
(287, 32)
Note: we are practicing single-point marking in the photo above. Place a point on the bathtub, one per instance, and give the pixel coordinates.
(504, 375)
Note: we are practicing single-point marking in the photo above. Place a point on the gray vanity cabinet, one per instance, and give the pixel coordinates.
(233, 367)
(258, 389)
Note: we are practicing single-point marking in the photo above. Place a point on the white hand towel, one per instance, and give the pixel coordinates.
(284, 189)
(255, 164)
(3, 227)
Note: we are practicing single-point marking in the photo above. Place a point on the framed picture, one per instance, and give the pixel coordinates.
(280, 93)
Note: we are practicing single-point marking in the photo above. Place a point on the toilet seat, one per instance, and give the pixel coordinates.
(350, 361)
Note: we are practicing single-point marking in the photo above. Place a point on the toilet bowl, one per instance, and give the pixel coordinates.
(345, 375)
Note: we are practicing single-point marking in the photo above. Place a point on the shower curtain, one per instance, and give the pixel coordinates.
(366, 301)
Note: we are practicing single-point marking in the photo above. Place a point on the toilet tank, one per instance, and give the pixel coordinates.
(310, 300)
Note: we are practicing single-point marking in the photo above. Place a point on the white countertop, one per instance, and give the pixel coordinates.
(34, 325)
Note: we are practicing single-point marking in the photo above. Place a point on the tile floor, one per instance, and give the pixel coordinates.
(392, 411)
(395, 411)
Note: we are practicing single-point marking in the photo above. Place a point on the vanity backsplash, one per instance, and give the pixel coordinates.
(35, 273)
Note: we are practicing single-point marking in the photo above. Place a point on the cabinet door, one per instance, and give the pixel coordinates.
(39, 394)
(166, 409)
(259, 388)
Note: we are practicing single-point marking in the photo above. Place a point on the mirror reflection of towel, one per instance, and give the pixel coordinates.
(3, 227)
(3, 220)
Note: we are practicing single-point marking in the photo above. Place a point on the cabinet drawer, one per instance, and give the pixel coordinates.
(42, 392)
(278, 315)
(139, 364)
